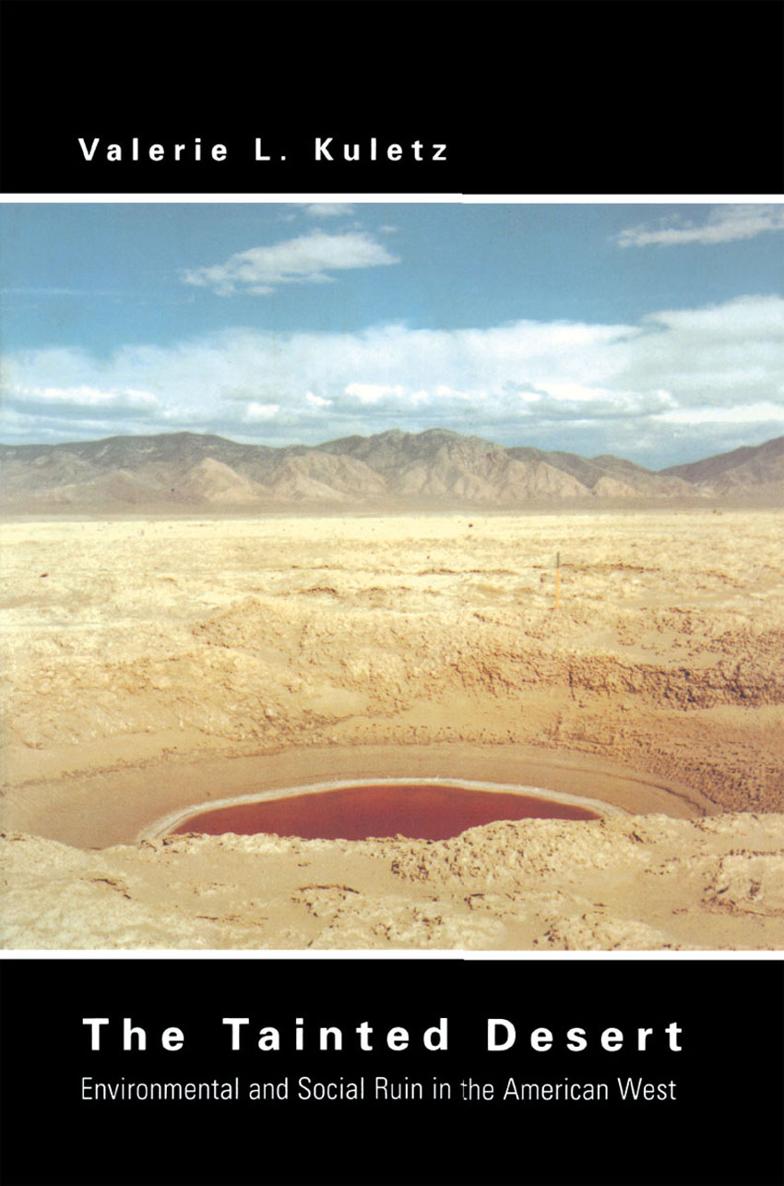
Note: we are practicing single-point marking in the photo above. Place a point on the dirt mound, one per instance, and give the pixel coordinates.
(631, 883)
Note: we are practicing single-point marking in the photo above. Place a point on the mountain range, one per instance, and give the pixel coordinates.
(437, 468)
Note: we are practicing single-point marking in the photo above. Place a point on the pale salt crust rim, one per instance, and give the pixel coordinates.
(219, 199)
(168, 823)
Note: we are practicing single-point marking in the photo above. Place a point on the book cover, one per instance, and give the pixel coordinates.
(392, 481)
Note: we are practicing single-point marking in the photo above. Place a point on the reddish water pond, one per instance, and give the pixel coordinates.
(419, 811)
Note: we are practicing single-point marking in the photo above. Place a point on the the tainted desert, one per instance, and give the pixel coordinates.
(159, 661)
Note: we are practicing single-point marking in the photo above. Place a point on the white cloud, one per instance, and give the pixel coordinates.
(373, 393)
(745, 318)
(329, 209)
(724, 224)
(766, 413)
(258, 413)
(308, 259)
(626, 388)
(82, 397)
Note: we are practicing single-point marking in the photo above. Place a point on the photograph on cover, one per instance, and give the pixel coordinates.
(394, 576)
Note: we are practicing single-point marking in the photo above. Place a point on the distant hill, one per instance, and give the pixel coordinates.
(435, 468)
(743, 469)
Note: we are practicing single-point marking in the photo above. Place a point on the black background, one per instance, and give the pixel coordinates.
(547, 97)
(724, 1128)
(537, 96)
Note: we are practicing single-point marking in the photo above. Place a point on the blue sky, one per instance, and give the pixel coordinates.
(650, 331)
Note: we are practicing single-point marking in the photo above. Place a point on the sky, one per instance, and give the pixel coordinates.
(653, 332)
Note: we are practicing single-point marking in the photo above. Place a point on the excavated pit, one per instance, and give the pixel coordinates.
(417, 810)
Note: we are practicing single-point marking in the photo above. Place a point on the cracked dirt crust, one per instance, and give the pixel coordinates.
(157, 663)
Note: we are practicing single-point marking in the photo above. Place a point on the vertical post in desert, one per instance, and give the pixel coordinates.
(557, 580)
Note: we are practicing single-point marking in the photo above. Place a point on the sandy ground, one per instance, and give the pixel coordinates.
(158, 663)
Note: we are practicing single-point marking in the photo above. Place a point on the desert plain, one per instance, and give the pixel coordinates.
(154, 662)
